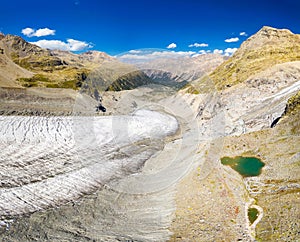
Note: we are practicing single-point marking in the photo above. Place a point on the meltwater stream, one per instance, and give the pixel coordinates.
(49, 161)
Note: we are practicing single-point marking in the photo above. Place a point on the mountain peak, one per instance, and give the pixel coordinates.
(16, 38)
(269, 32)
(19, 45)
(94, 55)
(269, 46)
(269, 36)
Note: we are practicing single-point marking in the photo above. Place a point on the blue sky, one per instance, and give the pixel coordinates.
(117, 26)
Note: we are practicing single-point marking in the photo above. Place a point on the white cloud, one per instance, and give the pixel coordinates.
(202, 52)
(171, 46)
(52, 44)
(77, 45)
(70, 45)
(133, 57)
(152, 55)
(217, 51)
(29, 32)
(135, 51)
(243, 34)
(44, 32)
(230, 51)
(236, 39)
(198, 45)
(196, 55)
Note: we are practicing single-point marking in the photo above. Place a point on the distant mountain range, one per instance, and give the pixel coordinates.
(181, 69)
(23, 64)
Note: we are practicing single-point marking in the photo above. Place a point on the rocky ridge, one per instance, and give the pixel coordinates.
(267, 47)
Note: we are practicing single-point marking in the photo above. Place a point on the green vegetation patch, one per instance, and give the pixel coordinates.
(252, 214)
(71, 84)
(191, 89)
(70, 79)
(37, 62)
(34, 81)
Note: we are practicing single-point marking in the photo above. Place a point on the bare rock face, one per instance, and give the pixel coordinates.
(254, 104)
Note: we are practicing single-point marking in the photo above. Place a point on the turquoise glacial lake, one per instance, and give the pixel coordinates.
(246, 166)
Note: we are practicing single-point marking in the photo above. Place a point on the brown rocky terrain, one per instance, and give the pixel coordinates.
(9, 71)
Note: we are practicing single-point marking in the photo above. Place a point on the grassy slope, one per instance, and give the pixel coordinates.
(59, 69)
(266, 48)
(49, 70)
(129, 81)
(240, 67)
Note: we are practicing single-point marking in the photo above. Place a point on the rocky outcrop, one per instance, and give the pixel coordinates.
(1, 36)
(256, 103)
